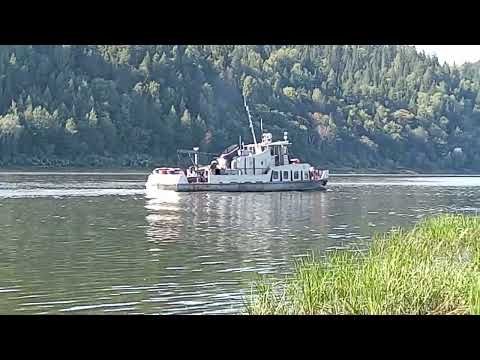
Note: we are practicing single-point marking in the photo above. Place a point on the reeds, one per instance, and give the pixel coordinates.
(432, 269)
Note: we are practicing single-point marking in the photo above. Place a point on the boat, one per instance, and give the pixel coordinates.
(258, 167)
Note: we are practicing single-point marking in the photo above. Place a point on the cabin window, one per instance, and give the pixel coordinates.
(275, 175)
(285, 175)
(305, 175)
(295, 175)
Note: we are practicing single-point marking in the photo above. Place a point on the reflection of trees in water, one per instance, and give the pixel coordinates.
(387, 206)
(71, 248)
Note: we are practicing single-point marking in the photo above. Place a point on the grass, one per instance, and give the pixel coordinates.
(432, 269)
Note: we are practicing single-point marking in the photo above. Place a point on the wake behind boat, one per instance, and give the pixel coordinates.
(265, 166)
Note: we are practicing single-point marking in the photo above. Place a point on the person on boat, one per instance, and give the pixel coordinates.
(214, 168)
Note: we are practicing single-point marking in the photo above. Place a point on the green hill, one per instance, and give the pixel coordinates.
(344, 106)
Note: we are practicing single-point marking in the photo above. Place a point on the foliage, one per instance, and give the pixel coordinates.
(433, 269)
(349, 105)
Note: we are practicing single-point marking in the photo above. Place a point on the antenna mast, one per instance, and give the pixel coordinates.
(250, 121)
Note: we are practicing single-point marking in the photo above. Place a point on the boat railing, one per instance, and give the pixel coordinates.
(248, 171)
(168, 171)
(230, 172)
(197, 179)
(258, 171)
(318, 175)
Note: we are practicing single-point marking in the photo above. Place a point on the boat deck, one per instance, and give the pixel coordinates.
(246, 187)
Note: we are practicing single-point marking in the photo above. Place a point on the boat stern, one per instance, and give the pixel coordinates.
(324, 177)
(166, 178)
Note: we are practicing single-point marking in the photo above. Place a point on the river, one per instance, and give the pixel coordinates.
(96, 243)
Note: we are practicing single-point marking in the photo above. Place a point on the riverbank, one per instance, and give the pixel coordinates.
(339, 171)
(431, 269)
(141, 162)
(334, 172)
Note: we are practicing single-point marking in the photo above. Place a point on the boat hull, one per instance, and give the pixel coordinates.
(245, 187)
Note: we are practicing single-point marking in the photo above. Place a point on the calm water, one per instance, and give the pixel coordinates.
(94, 243)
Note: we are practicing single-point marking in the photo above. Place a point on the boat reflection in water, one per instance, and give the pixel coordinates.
(236, 228)
(159, 200)
(163, 214)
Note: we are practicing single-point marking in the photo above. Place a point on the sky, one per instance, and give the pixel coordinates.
(452, 53)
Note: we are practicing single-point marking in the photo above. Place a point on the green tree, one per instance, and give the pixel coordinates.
(71, 126)
(92, 118)
(374, 105)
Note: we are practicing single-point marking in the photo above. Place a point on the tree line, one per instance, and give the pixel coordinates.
(375, 106)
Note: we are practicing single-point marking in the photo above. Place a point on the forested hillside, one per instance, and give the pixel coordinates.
(344, 106)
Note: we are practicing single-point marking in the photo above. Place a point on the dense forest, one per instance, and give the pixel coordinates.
(345, 106)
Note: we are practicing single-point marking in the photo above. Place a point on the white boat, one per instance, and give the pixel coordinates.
(264, 166)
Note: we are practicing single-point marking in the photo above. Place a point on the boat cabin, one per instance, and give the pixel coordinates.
(263, 162)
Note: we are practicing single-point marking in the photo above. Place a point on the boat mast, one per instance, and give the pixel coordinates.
(195, 149)
(250, 121)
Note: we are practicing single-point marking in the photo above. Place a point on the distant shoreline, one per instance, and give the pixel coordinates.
(334, 172)
(403, 175)
(401, 172)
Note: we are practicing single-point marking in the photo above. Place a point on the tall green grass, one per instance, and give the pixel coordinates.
(432, 269)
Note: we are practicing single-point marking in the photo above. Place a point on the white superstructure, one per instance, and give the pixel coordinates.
(267, 162)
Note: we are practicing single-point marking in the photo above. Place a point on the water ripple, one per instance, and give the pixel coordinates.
(98, 243)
